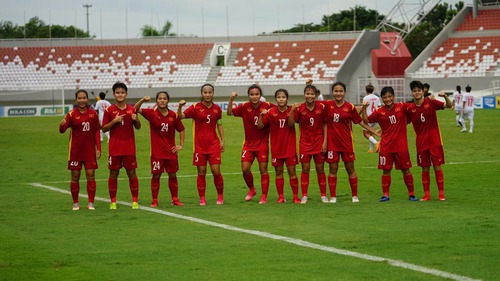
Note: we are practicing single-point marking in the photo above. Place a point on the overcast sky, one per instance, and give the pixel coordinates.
(124, 18)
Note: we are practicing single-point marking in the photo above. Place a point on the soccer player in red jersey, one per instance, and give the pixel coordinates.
(256, 143)
(422, 114)
(392, 120)
(84, 146)
(207, 119)
(340, 115)
(283, 144)
(312, 144)
(163, 123)
(120, 119)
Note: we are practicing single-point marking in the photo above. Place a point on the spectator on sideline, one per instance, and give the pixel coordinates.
(373, 103)
(458, 106)
(340, 115)
(256, 142)
(120, 119)
(422, 114)
(84, 147)
(468, 110)
(311, 118)
(207, 119)
(394, 142)
(100, 107)
(283, 144)
(163, 123)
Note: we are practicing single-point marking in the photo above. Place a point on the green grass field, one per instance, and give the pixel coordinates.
(42, 239)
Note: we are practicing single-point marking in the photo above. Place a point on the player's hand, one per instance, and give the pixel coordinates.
(63, 122)
(176, 148)
(182, 103)
(134, 117)
(309, 81)
(431, 97)
(98, 154)
(146, 98)
(263, 112)
(118, 118)
(365, 104)
(221, 146)
(295, 105)
(442, 94)
(233, 95)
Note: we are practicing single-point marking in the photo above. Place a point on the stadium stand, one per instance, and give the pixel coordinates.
(286, 62)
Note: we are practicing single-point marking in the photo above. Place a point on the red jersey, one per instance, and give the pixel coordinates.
(162, 131)
(283, 142)
(205, 127)
(393, 124)
(311, 127)
(85, 134)
(255, 139)
(121, 135)
(339, 126)
(425, 123)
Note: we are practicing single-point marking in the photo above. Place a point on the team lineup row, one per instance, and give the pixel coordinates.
(325, 136)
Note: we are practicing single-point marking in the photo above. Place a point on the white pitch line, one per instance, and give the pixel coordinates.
(290, 240)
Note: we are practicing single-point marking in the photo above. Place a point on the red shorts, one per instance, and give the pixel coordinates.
(435, 155)
(334, 156)
(129, 162)
(77, 165)
(249, 156)
(290, 161)
(319, 158)
(202, 159)
(401, 160)
(167, 165)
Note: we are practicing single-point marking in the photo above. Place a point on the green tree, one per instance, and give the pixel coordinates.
(37, 28)
(150, 31)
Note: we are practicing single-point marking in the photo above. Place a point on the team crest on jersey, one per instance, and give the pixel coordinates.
(216, 111)
(398, 109)
(427, 106)
(130, 112)
(317, 111)
(171, 119)
(345, 109)
(91, 115)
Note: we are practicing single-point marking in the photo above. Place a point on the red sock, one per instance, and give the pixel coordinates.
(112, 188)
(280, 186)
(386, 184)
(354, 186)
(409, 184)
(155, 187)
(264, 182)
(322, 184)
(219, 184)
(173, 185)
(75, 190)
(201, 184)
(134, 188)
(426, 182)
(440, 182)
(294, 183)
(332, 183)
(249, 180)
(91, 187)
(304, 183)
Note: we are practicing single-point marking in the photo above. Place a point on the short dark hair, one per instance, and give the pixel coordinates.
(281, 90)
(81, 91)
(162, 92)
(255, 86)
(369, 88)
(102, 95)
(459, 89)
(312, 87)
(339, 84)
(416, 84)
(386, 90)
(121, 85)
(468, 88)
(426, 85)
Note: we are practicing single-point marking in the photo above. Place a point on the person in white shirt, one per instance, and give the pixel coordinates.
(373, 103)
(457, 105)
(468, 109)
(101, 106)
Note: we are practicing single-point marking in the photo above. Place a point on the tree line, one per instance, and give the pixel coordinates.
(357, 18)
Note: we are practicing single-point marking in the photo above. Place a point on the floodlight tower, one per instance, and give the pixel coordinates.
(409, 13)
(87, 6)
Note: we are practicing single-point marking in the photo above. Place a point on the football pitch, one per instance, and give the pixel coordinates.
(43, 239)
